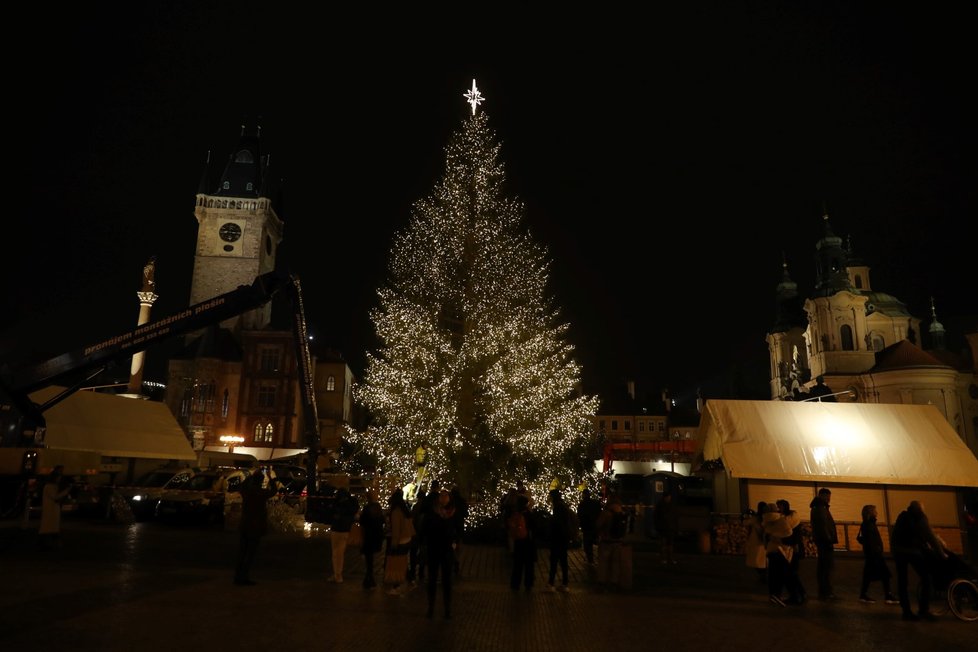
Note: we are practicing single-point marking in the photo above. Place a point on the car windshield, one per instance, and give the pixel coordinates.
(155, 479)
(201, 482)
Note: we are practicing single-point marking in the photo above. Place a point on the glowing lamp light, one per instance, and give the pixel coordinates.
(231, 441)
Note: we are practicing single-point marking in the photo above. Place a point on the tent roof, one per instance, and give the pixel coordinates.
(114, 426)
(841, 442)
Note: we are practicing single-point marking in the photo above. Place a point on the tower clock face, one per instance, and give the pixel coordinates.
(230, 232)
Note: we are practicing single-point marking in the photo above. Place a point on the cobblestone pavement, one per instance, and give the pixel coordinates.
(150, 586)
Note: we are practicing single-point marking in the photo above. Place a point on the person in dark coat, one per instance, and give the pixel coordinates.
(666, 526)
(346, 512)
(254, 522)
(588, 510)
(560, 533)
(915, 545)
(440, 537)
(874, 564)
(416, 558)
(825, 538)
(461, 513)
(372, 523)
(524, 545)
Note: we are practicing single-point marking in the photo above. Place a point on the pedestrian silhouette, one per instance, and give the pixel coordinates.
(914, 545)
(56, 489)
(254, 522)
(440, 541)
(825, 538)
(874, 564)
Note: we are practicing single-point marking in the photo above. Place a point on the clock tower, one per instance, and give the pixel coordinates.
(238, 231)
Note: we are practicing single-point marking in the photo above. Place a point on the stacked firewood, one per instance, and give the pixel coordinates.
(729, 535)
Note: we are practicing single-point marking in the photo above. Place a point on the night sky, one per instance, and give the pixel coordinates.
(666, 160)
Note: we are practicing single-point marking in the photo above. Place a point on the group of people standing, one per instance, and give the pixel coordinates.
(424, 536)
(601, 529)
(775, 548)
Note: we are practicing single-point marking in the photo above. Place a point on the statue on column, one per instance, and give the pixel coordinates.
(149, 275)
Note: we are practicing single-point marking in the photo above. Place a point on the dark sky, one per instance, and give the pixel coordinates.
(665, 159)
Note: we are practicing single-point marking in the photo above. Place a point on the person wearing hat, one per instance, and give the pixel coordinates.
(559, 540)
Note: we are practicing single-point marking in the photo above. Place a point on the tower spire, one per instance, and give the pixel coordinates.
(936, 329)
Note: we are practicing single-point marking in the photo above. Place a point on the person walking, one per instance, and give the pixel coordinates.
(825, 538)
(792, 579)
(874, 564)
(346, 511)
(588, 510)
(778, 527)
(507, 506)
(560, 534)
(914, 545)
(399, 543)
(372, 524)
(255, 492)
(461, 512)
(416, 558)
(666, 525)
(55, 490)
(440, 537)
(755, 554)
(612, 527)
(520, 527)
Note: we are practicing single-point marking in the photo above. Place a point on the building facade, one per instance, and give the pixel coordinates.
(236, 385)
(866, 346)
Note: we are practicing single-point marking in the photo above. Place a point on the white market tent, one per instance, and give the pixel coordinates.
(838, 442)
(114, 426)
(867, 453)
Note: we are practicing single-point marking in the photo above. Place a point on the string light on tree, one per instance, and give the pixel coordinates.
(473, 357)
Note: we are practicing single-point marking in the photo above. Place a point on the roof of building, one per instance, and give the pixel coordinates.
(902, 355)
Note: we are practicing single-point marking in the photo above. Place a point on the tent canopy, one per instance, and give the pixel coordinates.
(114, 426)
(838, 442)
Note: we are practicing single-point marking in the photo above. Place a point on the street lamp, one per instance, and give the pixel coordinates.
(231, 440)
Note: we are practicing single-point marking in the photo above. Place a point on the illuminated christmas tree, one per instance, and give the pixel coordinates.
(473, 361)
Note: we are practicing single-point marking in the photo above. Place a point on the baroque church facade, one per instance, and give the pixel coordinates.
(866, 346)
(237, 385)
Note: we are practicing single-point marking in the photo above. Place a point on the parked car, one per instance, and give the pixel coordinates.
(321, 506)
(143, 495)
(292, 482)
(203, 497)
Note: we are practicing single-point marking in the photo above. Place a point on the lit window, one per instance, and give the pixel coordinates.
(226, 186)
(269, 431)
(331, 384)
(259, 431)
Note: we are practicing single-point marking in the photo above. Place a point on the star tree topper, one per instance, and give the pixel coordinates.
(473, 97)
